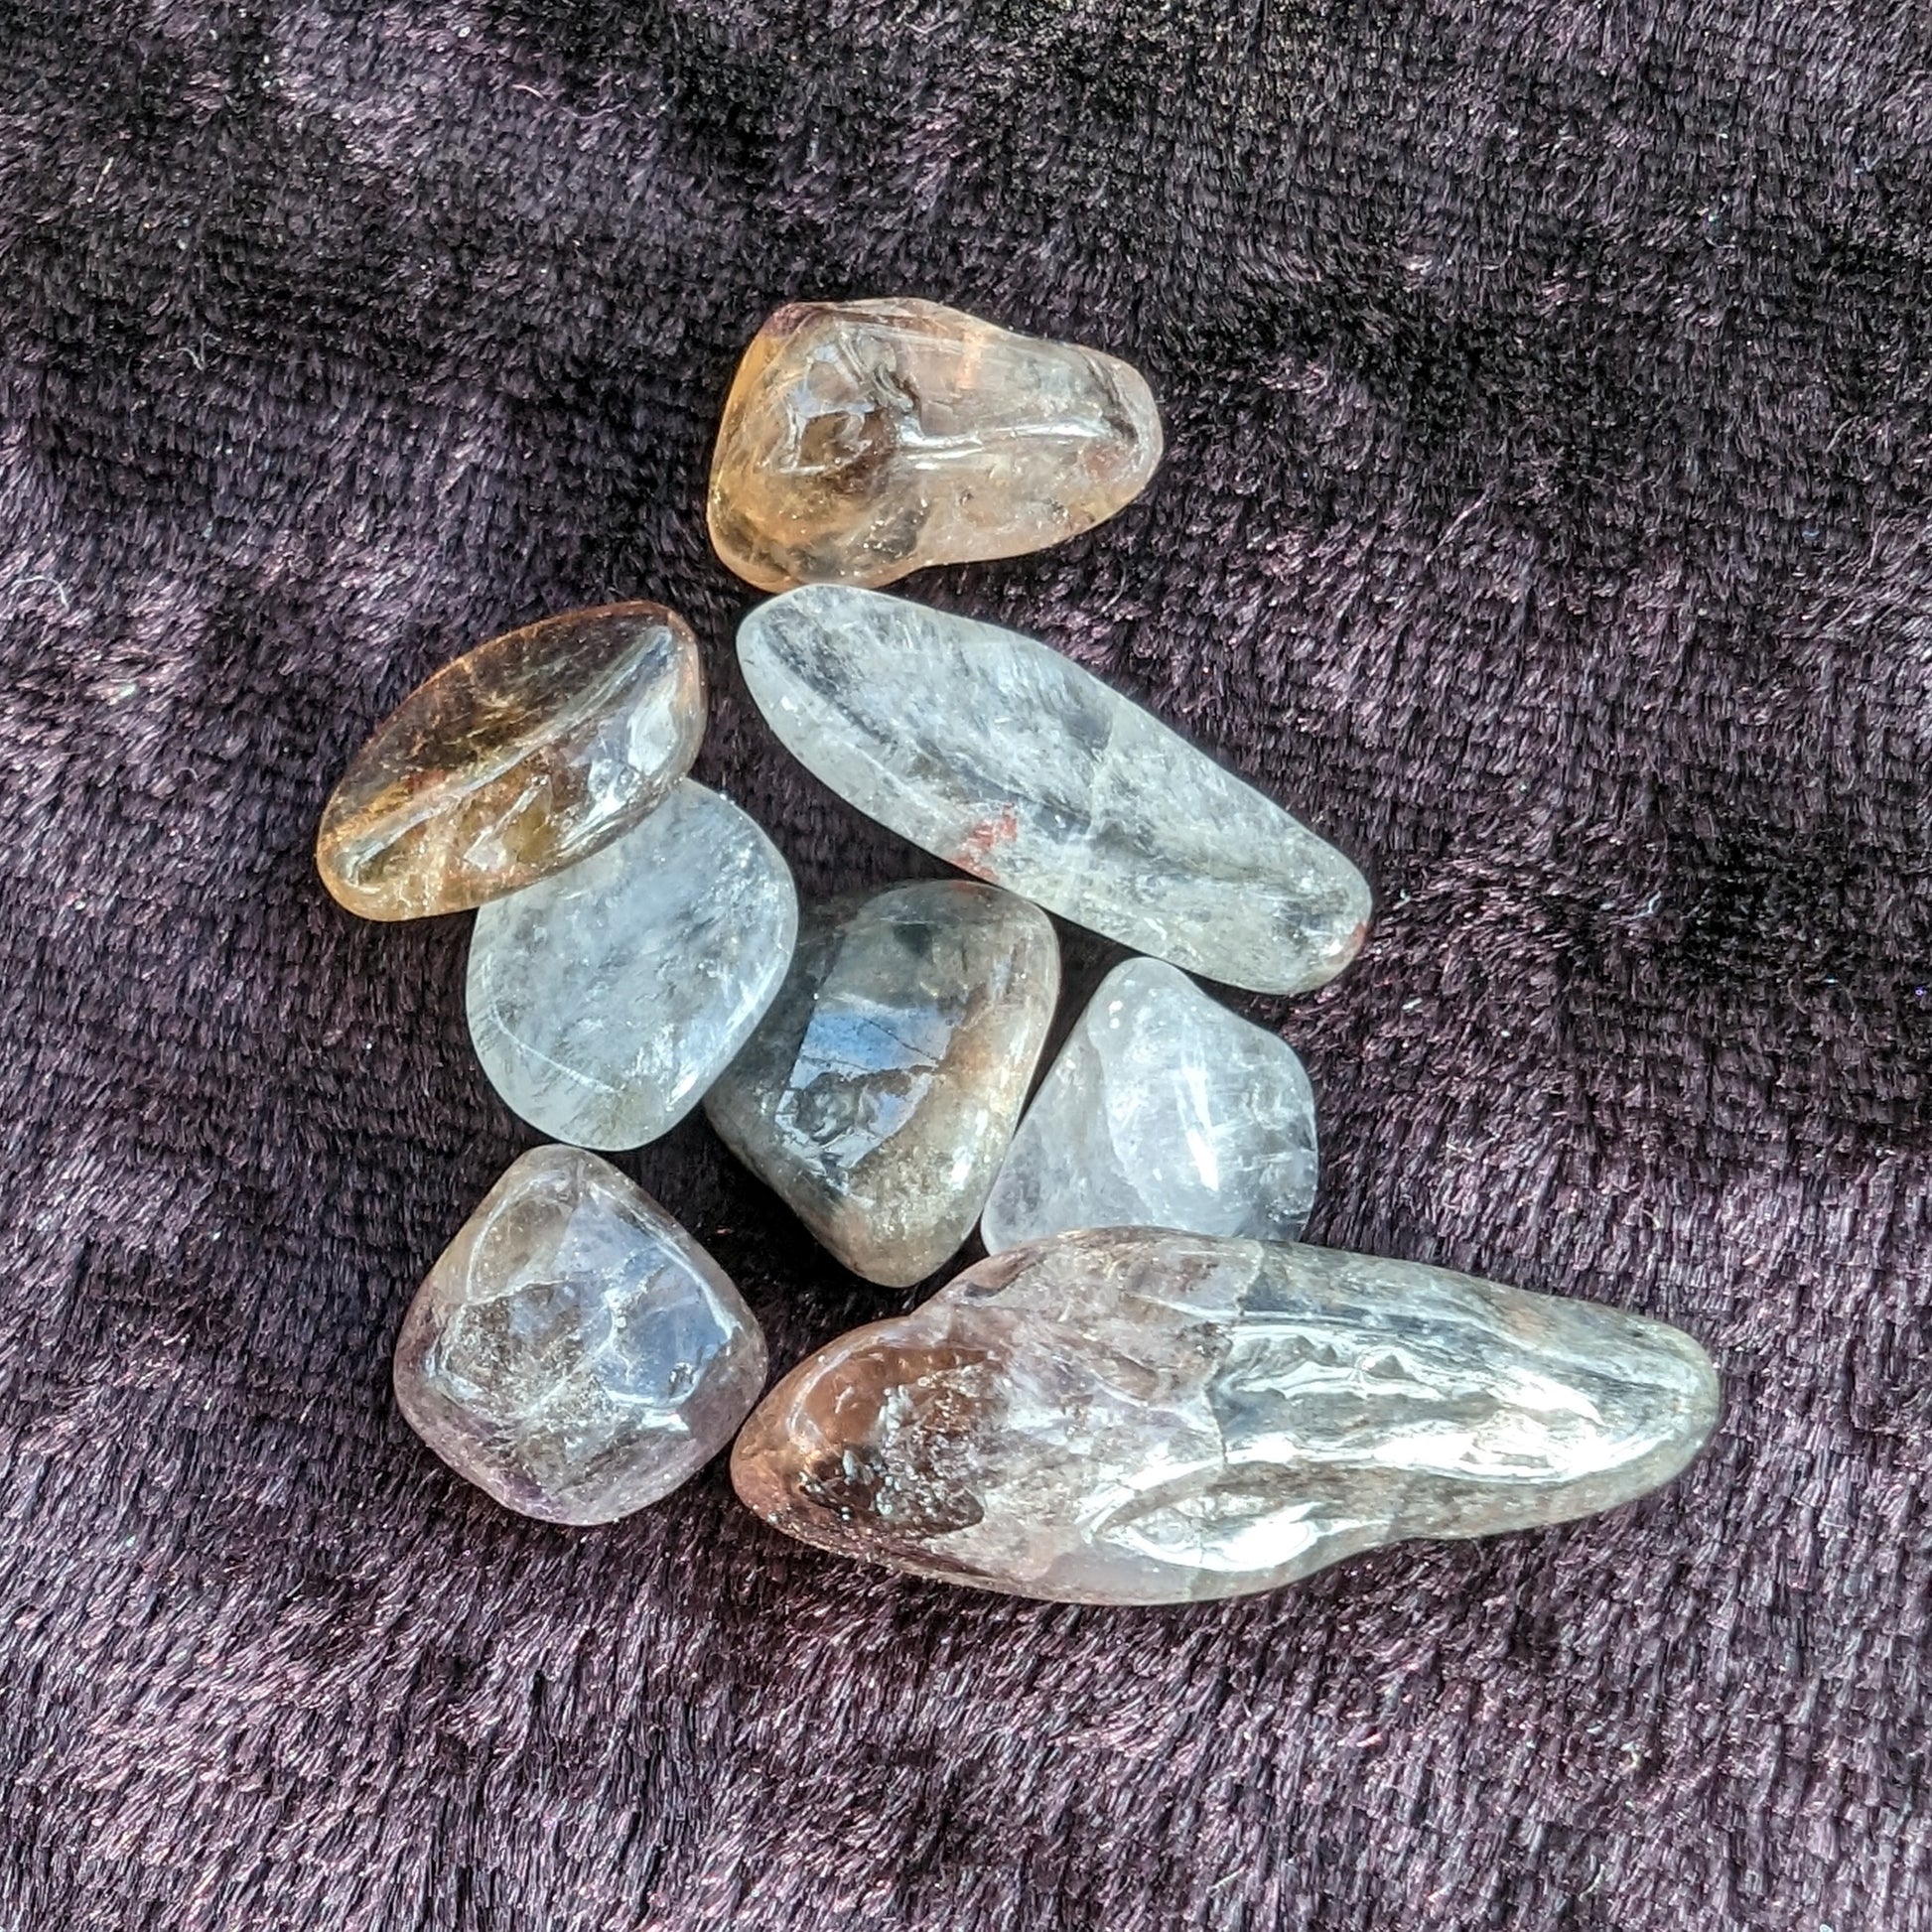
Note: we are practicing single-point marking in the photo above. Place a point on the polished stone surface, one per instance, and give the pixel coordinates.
(1008, 760)
(1162, 1110)
(520, 758)
(574, 1351)
(861, 440)
(1142, 1417)
(604, 1001)
(879, 1093)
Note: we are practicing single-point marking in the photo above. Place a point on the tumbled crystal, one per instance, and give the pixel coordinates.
(879, 1093)
(1145, 1417)
(574, 1351)
(1004, 758)
(861, 440)
(605, 1000)
(1163, 1110)
(519, 758)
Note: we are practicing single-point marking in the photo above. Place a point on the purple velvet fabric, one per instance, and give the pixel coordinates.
(1546, 522)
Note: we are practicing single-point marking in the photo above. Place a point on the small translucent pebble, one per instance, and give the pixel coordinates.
(605, 1000)
(517, 760)
(1163, 1110)
(861, 440)
(1010, 762)
(574, 1351)
(880, 1091)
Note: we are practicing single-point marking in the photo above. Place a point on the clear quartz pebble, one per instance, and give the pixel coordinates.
(1136, 1416)
(880, 1091)
(515, 760)
(861, 440)
(574, 1351)
(1164, 1109)
(604, 1000)
(1003, 757)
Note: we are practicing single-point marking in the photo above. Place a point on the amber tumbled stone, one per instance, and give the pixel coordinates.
(863, 440)
(518, 759)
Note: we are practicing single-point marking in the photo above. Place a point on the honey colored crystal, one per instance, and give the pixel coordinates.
(863, 440)
(1136, 1416)
(520, 758)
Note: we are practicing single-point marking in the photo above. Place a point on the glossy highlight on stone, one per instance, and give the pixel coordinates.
(1163, 1110)
(1132, 1416)
(574, 1351)
(604, 1000)
(863, 440)
(1004, 758)
(515, 761)
(880, 1091)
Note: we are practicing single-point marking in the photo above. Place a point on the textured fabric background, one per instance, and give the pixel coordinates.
(1548, 386)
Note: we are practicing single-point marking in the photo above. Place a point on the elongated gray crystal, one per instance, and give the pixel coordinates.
(1004, 758)
(574, 1351)
(606, 998)
(879, 1093)
(1131, 1416)
(1163, 1110)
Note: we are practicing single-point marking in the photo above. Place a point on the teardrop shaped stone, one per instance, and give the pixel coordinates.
(518, 759)
(1010, 762)
(1163, 1110)
(574, 1351)
(605, 1000)
(1144, 1416)
(880, 1091)
(861, 440)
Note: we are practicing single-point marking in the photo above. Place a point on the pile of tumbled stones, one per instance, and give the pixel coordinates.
(1146, 1391)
